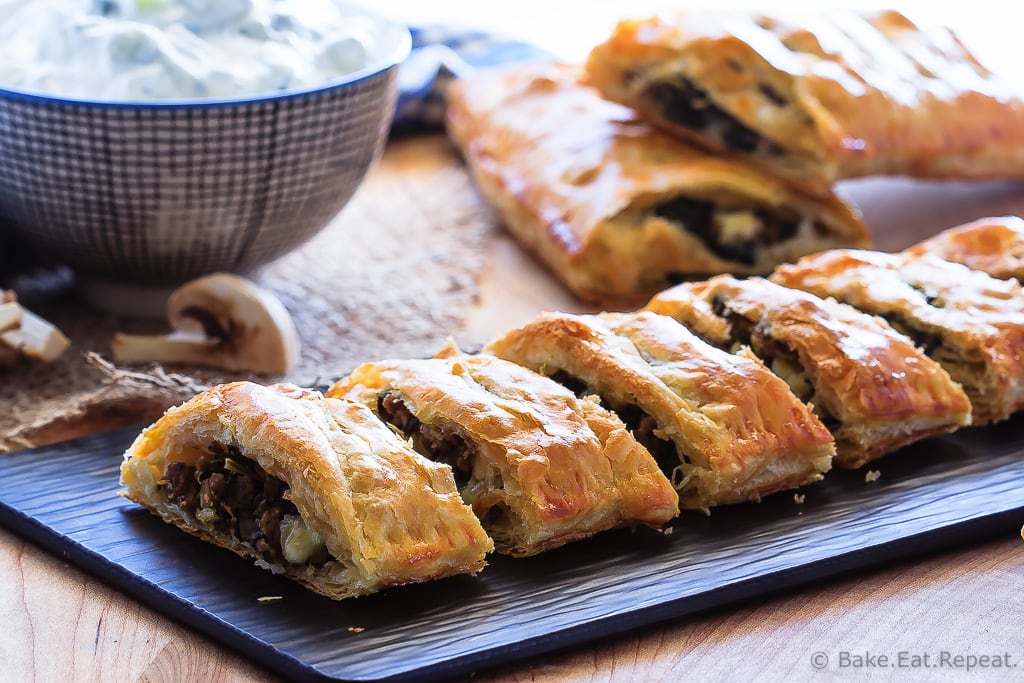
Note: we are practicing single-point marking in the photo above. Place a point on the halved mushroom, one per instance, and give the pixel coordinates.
(222, 321)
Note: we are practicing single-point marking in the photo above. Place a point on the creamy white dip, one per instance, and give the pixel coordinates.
(161, 50)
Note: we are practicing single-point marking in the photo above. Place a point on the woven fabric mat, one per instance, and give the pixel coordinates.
(394, 275)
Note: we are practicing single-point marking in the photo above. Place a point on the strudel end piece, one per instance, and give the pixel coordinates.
(539, 466)
(617, 209)
(968, 321)
(316, 489)
(818, 96)
(869, 384)
(993, 245)
(725, 427)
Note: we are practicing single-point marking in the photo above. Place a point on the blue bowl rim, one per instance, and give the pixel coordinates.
(397, 56)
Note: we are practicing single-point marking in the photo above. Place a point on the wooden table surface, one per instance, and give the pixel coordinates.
(60, 624)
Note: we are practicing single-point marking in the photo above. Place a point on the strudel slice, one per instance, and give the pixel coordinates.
(617, 209)
(539, 466)
(316, 489)
(723, 425)
(968, 321)
(817, 96)
(993, 245)
(867, 382)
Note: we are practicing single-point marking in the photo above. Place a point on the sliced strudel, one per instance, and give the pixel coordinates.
(315, 488)
(968, 321)
(539, 466)
(723, 425)
(867, 382)
(617, 209)
(818, 96)
(992, 245)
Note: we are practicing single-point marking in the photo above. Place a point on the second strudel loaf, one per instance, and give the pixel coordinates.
(539, 466)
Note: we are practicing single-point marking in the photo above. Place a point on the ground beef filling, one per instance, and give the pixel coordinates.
(440, 444)
(734, 235)
(636, 420)
(232, 495)
(782, 360)
(682, 102)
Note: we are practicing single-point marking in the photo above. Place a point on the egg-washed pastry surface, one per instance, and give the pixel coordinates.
(317, 489)
(968, 321)
(723, 425)
(994, 245)
(539, 466)
(869, 384)
(818, 96)
(617, 209)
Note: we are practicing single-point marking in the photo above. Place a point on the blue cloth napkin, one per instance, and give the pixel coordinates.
(440, 54)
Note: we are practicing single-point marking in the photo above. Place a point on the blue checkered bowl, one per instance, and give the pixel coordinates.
(155, 194)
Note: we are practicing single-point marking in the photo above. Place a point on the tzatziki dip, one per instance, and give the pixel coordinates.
(166, 50)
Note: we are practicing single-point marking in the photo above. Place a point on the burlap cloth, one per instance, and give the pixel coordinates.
(393, 276)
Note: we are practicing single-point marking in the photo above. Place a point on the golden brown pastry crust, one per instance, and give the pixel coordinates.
(387, 515)
(993, 245)
(875, 389)
(840, 94)
(968, 321)
(577, 179)
(738, 432)
(544, 468)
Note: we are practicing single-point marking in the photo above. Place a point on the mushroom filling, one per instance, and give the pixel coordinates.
(233, 496)
(440, 444)
(680, 101)
(639, 422)
(731, 234)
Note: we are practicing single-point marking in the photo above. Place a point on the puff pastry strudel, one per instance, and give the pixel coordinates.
(993, 245)
(617, 209)
(968, 321)
(539, 466)
(869, 384)
(818, 96)
(316, 489)
(725, 427)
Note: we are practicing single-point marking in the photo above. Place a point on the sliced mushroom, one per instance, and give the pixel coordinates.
(23, 334)
(222, 321)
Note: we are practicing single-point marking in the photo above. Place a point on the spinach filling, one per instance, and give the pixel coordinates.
(734, 235)
(680, 101)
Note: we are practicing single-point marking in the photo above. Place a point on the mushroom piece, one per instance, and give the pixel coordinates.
(24, 335)
(222, 321)
(10, 316)
(35, 338)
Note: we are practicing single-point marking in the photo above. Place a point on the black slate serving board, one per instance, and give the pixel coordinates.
(939, 493)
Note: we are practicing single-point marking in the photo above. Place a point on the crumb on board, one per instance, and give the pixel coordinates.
(799, 498)
(667, 531)
(872, 475)
(356, 629)
(269, 598)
